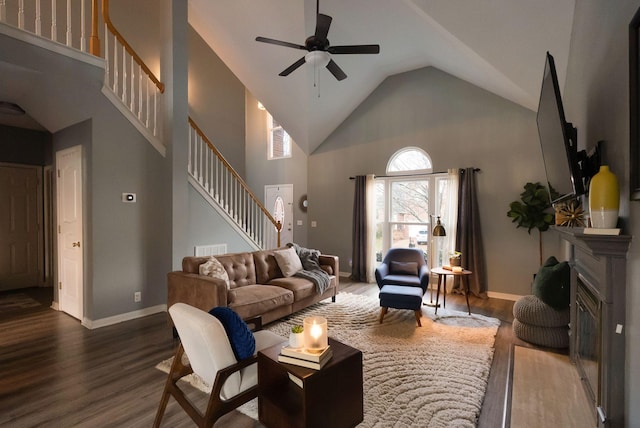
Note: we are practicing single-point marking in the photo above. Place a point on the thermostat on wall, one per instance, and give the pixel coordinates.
(129, 197)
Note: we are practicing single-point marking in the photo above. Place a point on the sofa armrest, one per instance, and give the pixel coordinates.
(203, 292)
(332, 261)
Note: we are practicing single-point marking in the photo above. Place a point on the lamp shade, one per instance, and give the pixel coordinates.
(438, 230)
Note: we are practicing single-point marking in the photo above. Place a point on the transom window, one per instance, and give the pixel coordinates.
(279, 140)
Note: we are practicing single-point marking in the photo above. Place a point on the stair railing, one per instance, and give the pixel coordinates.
(212, 171)
(38, 17)
(130, 78)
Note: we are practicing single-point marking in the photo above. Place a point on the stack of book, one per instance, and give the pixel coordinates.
(302, 357)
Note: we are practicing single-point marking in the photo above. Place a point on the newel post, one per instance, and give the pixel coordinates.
(94, 40)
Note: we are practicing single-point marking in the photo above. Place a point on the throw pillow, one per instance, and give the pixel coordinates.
(214, 269)
(288, 261)
(403, 268)
(552, 283)
(242, 341)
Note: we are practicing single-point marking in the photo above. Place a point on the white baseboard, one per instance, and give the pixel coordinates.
(93, 324)
(55, 306)
(503, 296)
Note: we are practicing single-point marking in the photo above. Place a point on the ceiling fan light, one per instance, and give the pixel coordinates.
(318, 58)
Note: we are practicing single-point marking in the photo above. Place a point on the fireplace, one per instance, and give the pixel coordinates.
(598, 312)
(587, 353)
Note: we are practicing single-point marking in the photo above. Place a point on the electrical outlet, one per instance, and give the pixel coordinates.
(137, 296)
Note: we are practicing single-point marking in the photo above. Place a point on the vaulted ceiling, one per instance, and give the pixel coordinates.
(497, 45)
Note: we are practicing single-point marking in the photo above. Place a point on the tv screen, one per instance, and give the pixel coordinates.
(557, 140)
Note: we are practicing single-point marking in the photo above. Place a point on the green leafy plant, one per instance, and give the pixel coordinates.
(297, 329)
(455, 255)
(532, 211)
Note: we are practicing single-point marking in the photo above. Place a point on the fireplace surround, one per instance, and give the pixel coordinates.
(597, 323)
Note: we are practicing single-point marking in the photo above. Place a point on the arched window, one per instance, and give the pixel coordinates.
(409, 160)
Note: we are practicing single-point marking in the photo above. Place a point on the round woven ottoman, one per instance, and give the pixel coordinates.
(540, 324)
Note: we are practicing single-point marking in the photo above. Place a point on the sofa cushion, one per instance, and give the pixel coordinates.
(552, 283)
(300, 287)
(214, 269)
(240, 268)
(242, 341)
(252, 300)
(266, 266)
(288, 261)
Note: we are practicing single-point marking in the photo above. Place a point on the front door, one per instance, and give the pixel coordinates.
(279, 201)
(20, 226)
(70, 244)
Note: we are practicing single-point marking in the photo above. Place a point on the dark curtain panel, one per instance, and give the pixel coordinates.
(469, 234)
(359, 254)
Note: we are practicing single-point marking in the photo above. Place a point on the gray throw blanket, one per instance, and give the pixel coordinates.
(311, 268)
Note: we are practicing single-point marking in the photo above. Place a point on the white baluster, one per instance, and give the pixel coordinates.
(83, 33)
(146, 123)
(21, 14)
(125, 82)
(38, 23)
(140, 92)
(133, 87)
(3, 10)
(155, 112)
(54, 21)
(116, 69)
(69, 35)
(106, 56)
(195, 157)
(191, 131)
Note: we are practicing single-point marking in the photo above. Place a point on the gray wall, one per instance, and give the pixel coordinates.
(596, 100)
(262, 172)
(459, 125)
(216, 101)
(207, 227)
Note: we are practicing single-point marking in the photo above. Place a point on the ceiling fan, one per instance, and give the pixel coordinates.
(319, 49)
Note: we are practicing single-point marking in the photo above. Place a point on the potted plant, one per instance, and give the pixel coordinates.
(533, 210)
(296, 338)
(455, 258)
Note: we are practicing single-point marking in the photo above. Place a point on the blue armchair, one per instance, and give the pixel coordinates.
(403, 266)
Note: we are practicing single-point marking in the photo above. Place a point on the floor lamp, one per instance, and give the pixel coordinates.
(438, 231)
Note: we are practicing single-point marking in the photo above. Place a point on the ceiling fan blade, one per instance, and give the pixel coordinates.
(323, 22)
(279, 43)
(287, 71)
(336, 71)
(354, 49)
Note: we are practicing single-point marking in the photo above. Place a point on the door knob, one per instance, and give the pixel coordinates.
(76, 244)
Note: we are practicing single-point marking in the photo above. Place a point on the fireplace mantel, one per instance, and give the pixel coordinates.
(598, 283)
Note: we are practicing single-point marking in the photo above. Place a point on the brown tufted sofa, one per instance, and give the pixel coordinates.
(256, 286)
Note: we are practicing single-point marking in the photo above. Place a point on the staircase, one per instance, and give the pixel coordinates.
(134, 89)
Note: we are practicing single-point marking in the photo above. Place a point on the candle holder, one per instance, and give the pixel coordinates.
(315, 334)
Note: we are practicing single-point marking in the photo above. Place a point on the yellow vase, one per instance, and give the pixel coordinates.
(604, 199)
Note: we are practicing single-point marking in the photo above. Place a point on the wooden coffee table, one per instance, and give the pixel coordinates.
(329, 397)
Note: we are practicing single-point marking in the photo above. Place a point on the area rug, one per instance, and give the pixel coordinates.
(430, 376)
(546, 390)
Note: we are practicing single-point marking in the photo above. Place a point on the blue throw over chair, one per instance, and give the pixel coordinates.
(403, 278)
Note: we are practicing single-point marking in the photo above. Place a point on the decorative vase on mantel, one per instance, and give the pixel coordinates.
(604, 199)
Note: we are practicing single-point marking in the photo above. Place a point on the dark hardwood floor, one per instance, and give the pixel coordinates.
(56, 373)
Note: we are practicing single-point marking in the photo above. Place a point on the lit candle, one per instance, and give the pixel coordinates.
(315, 330)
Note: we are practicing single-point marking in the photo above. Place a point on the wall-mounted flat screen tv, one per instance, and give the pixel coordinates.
(558, 140)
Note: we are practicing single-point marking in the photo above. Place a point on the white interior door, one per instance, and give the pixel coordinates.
(70, 244)
(20, 226)
(279, 201)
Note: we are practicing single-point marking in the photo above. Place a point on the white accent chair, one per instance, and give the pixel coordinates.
(205, 343)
